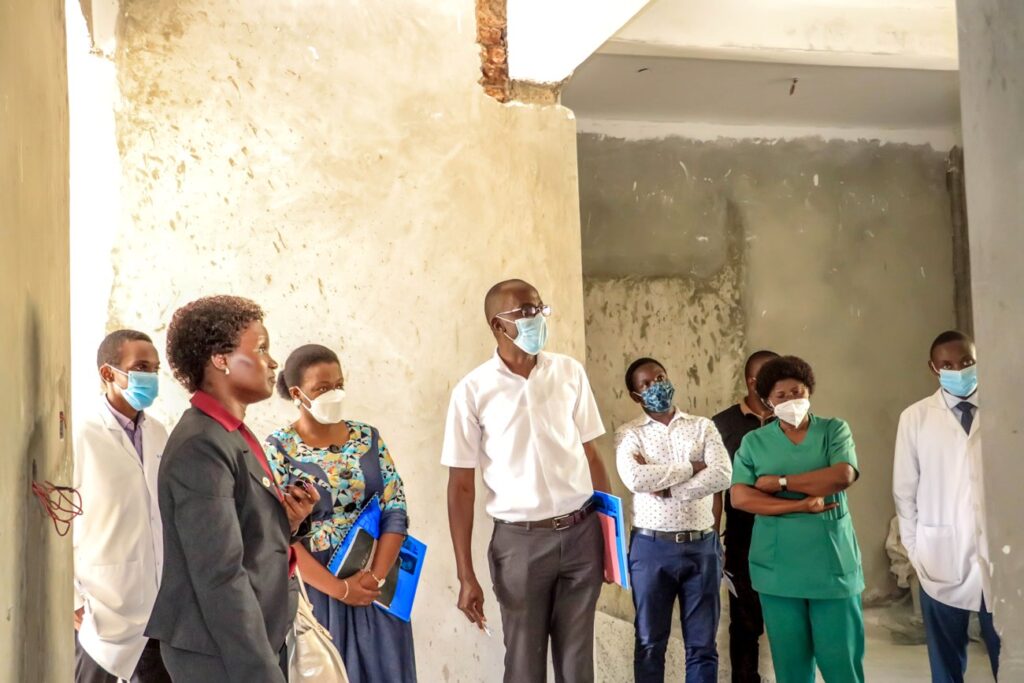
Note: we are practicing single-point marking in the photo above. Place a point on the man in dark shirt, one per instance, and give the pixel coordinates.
(745, 621)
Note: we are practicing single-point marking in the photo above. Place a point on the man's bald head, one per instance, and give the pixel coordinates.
(507, 296)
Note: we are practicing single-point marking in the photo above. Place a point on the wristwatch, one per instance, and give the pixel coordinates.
(784, 483)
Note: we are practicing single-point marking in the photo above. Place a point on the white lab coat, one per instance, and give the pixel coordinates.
(118, 540)
(937, 486)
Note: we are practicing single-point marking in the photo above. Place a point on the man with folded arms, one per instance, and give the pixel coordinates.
(674, 464)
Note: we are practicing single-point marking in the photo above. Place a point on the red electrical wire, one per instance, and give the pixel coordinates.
(61, 503)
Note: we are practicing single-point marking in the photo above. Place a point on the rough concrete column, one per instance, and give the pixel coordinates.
(35, 563)
(992, 106)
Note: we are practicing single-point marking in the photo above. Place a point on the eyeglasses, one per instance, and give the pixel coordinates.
(529, 311)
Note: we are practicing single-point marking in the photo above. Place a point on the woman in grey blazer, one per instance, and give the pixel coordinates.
(224, 605)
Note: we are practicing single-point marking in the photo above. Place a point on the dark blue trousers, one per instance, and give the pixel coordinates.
(946, 631)
(662, 573)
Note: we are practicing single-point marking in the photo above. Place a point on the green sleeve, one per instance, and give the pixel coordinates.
(840, 444)
(743, 464)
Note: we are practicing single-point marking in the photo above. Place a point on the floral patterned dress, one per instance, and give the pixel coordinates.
(376, 647)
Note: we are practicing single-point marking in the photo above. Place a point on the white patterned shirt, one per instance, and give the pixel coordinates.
(668, 451)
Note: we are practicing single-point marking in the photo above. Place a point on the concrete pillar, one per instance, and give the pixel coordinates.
(35, 563)
(992, 105)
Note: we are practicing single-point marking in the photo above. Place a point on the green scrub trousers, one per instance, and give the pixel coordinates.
(804, 633)
(806, 567)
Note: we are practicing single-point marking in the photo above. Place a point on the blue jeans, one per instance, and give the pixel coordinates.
(946, 630)
(663, 572)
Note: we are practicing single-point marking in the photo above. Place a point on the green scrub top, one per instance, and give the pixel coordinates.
(800, 555)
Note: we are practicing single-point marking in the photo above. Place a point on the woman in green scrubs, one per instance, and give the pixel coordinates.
(804, 559)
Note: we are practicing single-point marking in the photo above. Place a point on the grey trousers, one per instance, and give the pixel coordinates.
(547, 584)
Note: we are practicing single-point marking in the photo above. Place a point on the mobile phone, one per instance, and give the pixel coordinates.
(302, 483)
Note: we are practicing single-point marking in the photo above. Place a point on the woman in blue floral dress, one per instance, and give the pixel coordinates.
(349, 463)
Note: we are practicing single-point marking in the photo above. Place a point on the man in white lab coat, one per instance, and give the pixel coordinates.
(937, 485)
(118, 544)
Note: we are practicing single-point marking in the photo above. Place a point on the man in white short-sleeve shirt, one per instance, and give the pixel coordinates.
(528, 420)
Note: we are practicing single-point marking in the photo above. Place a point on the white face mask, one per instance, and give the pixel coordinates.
(327, 408)
(793, 412)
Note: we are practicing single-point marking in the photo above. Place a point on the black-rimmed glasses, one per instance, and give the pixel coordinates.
(529, 311)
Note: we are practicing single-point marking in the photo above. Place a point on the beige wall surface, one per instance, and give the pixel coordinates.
(35, 564)
(698, 253)
(992, 99)
(341, 166)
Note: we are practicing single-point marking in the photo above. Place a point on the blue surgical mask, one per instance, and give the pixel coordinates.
(532, 334)
(960, 383)
(657, 398)
(142, 389)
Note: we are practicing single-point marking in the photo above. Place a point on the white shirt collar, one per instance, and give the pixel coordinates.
(679, 415)
(499, 364)
(954, 401)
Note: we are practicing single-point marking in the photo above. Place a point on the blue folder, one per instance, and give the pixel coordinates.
(356, 552)
(613, 527)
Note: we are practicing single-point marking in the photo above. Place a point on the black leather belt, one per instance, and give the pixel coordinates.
(675, 536)
(560, 523)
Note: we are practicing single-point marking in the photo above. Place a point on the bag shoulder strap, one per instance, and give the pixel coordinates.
(370, 464)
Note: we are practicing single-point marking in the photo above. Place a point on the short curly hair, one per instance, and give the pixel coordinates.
(783, 367)
(205, 328)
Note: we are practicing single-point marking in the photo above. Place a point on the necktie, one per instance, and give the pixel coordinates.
(966, 415)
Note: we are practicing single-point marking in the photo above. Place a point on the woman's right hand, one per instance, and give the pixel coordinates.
(815, 505)
(358, 594)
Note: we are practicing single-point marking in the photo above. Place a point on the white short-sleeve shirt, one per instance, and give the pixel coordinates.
(526, 436)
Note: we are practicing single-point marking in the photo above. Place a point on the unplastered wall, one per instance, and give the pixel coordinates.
(700, 251)
(35, 564)
(338, 163)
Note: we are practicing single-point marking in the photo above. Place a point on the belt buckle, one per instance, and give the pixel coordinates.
(682, 537)
(559, 523)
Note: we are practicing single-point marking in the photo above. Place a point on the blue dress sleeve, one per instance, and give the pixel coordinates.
(394, 517)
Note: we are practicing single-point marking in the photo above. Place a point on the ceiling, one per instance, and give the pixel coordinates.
(662, 89)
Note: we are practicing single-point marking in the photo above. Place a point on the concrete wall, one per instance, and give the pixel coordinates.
(35, 564)
(341, 166)
(917, 34)
(698, 252)
(992, 100)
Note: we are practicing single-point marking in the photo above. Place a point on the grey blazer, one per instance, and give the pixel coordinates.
(225, 587)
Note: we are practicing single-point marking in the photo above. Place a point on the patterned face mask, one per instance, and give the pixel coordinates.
(657, 398)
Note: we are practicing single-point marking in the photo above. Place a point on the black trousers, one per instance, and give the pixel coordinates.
(746, 623)
(193, 667)
(150, 668)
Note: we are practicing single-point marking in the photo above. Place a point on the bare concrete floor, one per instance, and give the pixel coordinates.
(885, 661)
